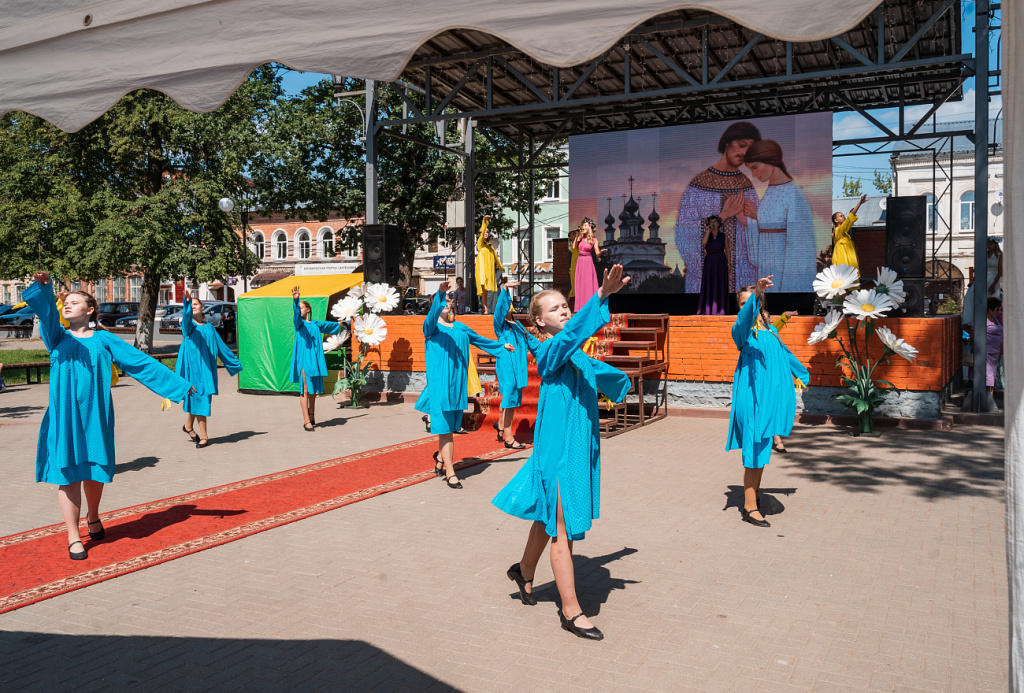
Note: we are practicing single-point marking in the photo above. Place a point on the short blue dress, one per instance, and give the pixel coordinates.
(76, 439)
(566, 457)
(763, 396)
(197, 362)
(511, 367)
(308, 351)
(447, 357)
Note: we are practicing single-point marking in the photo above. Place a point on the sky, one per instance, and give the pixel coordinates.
(844, 125)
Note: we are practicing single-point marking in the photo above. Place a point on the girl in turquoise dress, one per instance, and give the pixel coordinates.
(76, 439)
(446, 345)
(511, 367)
(763, 397)
(200, 348)
(567, 445)
(308, 364)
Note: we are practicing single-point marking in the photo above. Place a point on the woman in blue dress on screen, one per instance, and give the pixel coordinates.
(76, 439)
(559, 487)
(781, 228)
(308, 364)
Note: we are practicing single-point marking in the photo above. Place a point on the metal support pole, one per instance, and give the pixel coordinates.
(533, 216)
(371, 152)
(979, 395)
(469, 241)
(245, 251)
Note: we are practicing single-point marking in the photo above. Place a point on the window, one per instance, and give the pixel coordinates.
(352, 249)
(967, 211)
(18, 288)
(136, 288)
(550, 234)
(76, 286)
(326, 242)
(553, 190)
(931, 214)
(280, 246)
(258, 244)
(101, 290)
(118, 289)
(303, 244)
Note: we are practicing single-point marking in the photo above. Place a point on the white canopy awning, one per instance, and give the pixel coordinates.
(69, 60)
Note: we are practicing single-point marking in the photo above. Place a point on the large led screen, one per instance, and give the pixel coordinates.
(655, 194)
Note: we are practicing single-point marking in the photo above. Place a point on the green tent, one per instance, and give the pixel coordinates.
(266, 332)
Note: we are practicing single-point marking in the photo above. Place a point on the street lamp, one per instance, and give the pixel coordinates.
(226, 205)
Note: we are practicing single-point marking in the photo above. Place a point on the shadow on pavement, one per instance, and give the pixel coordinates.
(236, 437)
(136, 464)
(594, 581)
(338, 421)
(770, 505)
(18, 412)
(140, 663)
(151, 523)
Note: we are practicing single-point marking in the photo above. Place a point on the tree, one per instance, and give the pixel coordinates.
(883, 182)
(134, 191)
(852, 187)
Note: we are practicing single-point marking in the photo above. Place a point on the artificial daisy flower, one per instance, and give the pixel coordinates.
(896, 345)
(836, 280)
(380, 298)
(370, 329)
(347, 308)
(890, 285)
(824, 330)
(335, 341)
(867, 303)
(358, 290)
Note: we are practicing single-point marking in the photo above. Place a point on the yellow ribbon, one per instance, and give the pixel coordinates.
(166, 405)
(601, 399)
(800, 387)
(590, 346)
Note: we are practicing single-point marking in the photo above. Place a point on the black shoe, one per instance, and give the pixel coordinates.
(438, 466)
(515, 574)
(308, 427)
(514, 445)
(457, 484)
(585, 633)
(96, 536)
(203, 442)
(460, 432)
(753, 521)
(495, 426)
(426, 421)
(190, 434)
(77, 555)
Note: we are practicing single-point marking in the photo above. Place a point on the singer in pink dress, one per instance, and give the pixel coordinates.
(586, 284)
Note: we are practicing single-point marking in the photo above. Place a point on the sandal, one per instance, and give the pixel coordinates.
(203, 442)
(96, 536)
(77, 555)
(438, 466)
(457, 484)
(514, 445)
(308, 427)
(191, 434)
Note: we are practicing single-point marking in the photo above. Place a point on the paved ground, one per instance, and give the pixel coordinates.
(884, 568)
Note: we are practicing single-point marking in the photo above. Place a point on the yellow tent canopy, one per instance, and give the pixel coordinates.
(315, 285)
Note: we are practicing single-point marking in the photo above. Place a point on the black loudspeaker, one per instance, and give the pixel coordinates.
(905, 252)
(905, 235)
(381, 254)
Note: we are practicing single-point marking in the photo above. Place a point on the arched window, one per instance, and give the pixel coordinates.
(258, 244)
(101, 290)
(326, 242)
(302, 244)
(352, 250)
(280, 245)
(118, 289)
(967, 211)
(135, 285)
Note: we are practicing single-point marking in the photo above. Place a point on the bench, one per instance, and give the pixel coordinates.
(37, 365)
(18, 331)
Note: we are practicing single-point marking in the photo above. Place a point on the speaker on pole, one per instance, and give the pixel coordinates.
(905, 251)
(381, 253)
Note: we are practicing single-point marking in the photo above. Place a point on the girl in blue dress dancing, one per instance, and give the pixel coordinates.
(200, 348)
(511, 367)
(76, 439)
(446, 345)
(308, 364)
(559, 487)
(763, 397)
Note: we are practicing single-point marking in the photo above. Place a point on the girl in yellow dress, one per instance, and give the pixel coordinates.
(843, 250)
(488, 266)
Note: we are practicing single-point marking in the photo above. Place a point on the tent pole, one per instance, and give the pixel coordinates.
(979, 394)
(470, 230)
(533, 215)
(370, 133)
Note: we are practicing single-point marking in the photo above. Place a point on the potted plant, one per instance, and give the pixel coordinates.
(859, 309)
(360, 309)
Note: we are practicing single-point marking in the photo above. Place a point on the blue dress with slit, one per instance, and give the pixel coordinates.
(511, 367)
(308, 351)
(200, 348)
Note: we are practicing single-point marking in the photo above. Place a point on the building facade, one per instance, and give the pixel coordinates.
(551, 222)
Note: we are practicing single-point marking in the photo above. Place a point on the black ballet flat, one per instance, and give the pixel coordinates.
(308, 427)
(77, 555)
(426, 422)
(457, 484)
(514, 445)
(753, 521)
(96, 536)
(569, 624)
(438, 466)
(203, 442)
(460, 432)
(515, 574)
(190, 434)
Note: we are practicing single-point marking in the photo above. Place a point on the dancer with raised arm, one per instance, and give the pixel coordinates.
(200, 348)
(763, 397)
(567, 445)
(447, 355)
(488, 267)
(308, 364)
(511, 367)
(76, 439)
(844, 252)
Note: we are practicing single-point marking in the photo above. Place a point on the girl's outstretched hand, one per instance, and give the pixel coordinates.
(613, 281)
(41, 278)
(763, 285)
(444, 286)
(295, 293)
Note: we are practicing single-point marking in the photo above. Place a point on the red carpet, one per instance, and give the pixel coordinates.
(36, 564)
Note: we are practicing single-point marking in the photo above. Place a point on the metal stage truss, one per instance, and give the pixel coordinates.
(684, 67)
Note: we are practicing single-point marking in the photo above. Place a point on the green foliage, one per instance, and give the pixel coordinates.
(883, 182)
(866, 392)
(949, 306)
(355, 375)
(852, 187)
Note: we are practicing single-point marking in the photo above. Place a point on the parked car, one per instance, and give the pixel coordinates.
(166, 310)
(5, 309)
(18, 317)
(165, 320)
(214, 312)
(127, 321)
(110, 312)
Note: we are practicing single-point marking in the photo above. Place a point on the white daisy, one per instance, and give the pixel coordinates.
(370, 329)
(358, 290)
(896, 345)
(867, 303)
(836, 280)
(347, 308)
(335, 341)
(824, 330)
(380, 298)
(889, 284)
